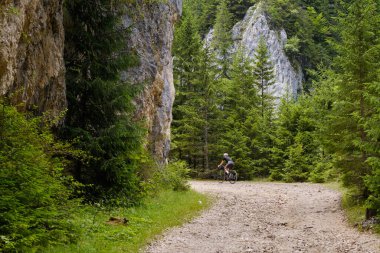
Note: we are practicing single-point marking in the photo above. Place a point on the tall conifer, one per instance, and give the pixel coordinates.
(99, 118)
(264, 76)
(222, 40)
(357, 66)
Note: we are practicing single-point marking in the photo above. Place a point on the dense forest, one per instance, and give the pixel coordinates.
(95, 153)
(329, 131)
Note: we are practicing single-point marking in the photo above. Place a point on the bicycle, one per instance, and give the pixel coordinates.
(223, 176)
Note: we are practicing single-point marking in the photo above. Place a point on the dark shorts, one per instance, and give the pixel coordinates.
(229, 165)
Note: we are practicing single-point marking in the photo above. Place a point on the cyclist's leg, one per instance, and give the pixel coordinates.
(229, 167)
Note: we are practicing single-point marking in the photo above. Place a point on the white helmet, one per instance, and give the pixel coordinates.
(225, 154)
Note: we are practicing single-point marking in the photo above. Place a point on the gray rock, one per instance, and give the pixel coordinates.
(246, 35)
(32, 69)
(152, 38)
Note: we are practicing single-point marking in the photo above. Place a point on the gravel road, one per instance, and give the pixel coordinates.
(267, 217)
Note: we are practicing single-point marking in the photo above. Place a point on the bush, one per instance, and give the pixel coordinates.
(173, 176)
(292, 47)
(34, 204)
(276, 175)
(176, 176)
(296, 167)
(372, 181)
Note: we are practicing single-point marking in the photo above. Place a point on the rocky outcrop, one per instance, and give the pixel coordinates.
(152, 37)
(32, 72)
(246, 35)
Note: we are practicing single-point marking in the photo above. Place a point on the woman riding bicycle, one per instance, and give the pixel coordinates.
(229, 163)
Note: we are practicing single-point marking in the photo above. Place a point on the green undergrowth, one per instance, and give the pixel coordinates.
(168, 209)
(354, 209)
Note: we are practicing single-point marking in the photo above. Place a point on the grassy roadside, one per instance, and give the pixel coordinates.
(166, 210)
(354, 210)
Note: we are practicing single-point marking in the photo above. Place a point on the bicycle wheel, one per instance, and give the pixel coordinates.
(232, 177)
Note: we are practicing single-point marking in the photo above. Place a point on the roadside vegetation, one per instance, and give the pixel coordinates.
(142, 224)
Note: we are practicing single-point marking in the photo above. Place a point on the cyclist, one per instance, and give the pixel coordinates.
(229, 163)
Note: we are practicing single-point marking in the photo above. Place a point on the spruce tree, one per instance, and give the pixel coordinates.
(222, 40)
(284, 133)
(357, 66)
(239, 108)
(261, 132)
(372, 126)
(264, 77)
(193, 106)
(99, 118)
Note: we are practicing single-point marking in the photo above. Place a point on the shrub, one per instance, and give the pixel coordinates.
(173, 176)
(296, 167)
(34, 204)
(176, 176)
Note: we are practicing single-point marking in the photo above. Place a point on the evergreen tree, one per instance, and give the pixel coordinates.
(261, 119)
(222, 40)
(99, 118)
(194, 106)
(372, 180)
(205, 12)
(238, 104)
(34, 201)
(357, 66)
(284, 133)
(202, 11)
(264, 73)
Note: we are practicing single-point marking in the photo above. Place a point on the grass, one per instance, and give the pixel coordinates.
(354, 209)
(166, 210)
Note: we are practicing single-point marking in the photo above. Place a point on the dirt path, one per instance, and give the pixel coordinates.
(267, 217)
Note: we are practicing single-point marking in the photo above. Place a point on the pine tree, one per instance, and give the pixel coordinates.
(261, 129)
(238, 103)
(357, 66)
(194, 103)
(99, 117)
(222, 40)
(284, 133)
(264, 73)
(372, 180)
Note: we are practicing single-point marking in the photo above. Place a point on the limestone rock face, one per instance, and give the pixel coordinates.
(246, 35)
(32, 69)
(152, 38)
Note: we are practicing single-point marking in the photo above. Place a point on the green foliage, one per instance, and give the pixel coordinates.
(34, 204)
(372, 126)
(308, 30)
(264, 77)
(296, 169)
(165, 210)
(99, 119)
(194, 107)
(205, 12)
(292, 47)
(175, 176)
(222, 39)
(357, 67)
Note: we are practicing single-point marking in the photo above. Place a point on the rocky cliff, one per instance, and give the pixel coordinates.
(31, 54)
(246, 35)
(152, 37)
(32, 72)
